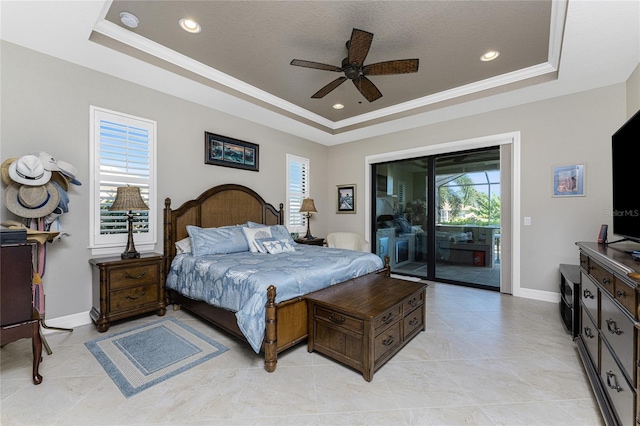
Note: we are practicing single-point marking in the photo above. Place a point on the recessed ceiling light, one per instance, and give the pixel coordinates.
(129, 19)
(338, 106)
(490, 56)
(189, 25)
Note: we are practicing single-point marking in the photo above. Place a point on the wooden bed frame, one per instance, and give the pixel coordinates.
(286, 322)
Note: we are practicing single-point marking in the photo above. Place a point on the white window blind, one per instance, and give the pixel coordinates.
(123, 153)
(297, 189)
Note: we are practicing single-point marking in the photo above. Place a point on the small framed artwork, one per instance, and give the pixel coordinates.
(568, 181)
(228, 152)
(346, 199)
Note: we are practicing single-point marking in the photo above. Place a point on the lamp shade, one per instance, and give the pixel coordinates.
(308, 206)
(128, 198)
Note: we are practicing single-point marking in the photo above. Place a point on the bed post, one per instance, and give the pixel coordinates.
(387, 266)
(167, 235)
(270, 332)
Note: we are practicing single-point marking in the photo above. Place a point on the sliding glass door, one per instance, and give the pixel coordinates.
(438, 217)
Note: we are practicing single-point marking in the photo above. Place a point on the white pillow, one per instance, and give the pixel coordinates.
(256, 233)
(278, 246)
(183, 246)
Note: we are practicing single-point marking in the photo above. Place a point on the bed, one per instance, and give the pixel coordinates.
(284, 318)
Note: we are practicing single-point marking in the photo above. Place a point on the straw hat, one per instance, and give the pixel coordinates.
(32, 234)
(29, 170)
(5, 170)
(60, 179)
(31, 201)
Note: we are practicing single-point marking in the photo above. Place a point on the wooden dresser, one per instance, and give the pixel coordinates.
(123, 288)
(608, 338)
(365, 321)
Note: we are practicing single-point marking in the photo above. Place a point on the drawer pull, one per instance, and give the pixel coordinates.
(387, 319)
(135, 298)
(388, 341)
(126, 275)
(622, 294)
(414, 302)
(606, 281)
(615, 386)
(613, 327)
(587, 332)
(340, 320)
(414, 322)
(587, 294)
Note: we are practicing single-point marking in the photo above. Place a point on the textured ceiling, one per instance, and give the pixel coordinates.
(253, 42)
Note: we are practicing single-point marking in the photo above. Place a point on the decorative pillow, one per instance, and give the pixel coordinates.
(278, 231)
(223, 240)
(251, 234)
(260, 243)
(278, 246)
(183, 246)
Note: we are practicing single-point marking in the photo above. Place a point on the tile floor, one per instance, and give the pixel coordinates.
(485, 359)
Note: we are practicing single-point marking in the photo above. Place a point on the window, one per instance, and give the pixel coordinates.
(297, 189)
(123, 152)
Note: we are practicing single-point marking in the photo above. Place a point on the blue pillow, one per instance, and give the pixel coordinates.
(280, 232)
(223, 240)
(260, 243)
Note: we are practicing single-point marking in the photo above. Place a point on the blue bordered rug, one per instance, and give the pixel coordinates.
(139, 358)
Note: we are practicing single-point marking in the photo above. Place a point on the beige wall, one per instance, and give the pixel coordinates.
(573, 129)
(45, 106)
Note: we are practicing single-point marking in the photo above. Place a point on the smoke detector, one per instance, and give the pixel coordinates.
(129, 19)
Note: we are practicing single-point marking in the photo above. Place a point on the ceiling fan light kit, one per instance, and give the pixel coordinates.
(354, 69)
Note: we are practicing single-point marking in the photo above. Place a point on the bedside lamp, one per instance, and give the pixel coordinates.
(308, 207)
(128, 198)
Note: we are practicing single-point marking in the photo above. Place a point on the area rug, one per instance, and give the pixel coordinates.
(144, 356)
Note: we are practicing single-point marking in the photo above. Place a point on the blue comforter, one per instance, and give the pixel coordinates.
(239, 281)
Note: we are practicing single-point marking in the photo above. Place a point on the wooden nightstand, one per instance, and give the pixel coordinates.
(123, 288)
(312, 242)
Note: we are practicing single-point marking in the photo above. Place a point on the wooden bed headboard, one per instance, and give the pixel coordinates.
(221, 205)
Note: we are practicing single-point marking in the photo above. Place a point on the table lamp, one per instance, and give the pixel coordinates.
(128, 198)
(308, 207)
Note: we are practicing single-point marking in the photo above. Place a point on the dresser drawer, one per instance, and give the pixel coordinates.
(589, 296)
(626, 295)
(590, 337)
(619, 331)
(344, 322)
(602, 276)
(616, 386)
(387, 341)
(128, 276)
(383, 321)
(413, 321)
(134, 296)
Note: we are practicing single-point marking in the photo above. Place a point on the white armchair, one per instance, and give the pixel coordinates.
(347, 240)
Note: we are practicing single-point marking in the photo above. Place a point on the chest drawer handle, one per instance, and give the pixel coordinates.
(587, 294)
(606, 281)
(414, 321)
(414, 302)
(388, 341)
(622, 294)
(137, 277)
(615, 386)
(135, 298)
(587, 333)
(387, 318)
(340, 320)
(613, 327)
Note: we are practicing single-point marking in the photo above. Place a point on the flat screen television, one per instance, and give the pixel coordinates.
(626, 195)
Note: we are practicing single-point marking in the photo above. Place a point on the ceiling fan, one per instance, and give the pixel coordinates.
(354, 69)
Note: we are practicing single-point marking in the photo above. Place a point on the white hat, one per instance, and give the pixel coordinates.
(29, 170)
(48, 161)
(69, 171)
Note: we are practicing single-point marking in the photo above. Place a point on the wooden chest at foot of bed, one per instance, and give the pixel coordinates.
(365, 321)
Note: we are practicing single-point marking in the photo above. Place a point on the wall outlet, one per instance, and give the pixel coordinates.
(527, 221)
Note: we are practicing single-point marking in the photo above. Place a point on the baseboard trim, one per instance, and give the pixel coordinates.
(545, 296)
(69, 321)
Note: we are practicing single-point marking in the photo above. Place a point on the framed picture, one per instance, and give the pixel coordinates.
(568, 181)
(228, 152)
(346, 199)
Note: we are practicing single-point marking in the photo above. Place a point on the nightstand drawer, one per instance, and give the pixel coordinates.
(131, 297)
(133, 276)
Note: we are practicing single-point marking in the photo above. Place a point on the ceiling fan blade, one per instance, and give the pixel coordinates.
(367, 88)
(359, 46)
(315, 65)
(329, 87)
(400, 66)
